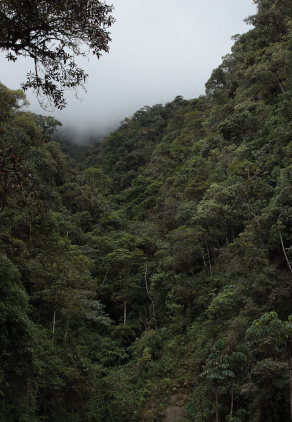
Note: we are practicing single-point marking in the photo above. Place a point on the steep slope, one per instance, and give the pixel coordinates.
(153, 277)
(206, 197)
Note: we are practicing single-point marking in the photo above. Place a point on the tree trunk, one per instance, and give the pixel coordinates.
(204, 262)
(151, 299)
(125, 312)
(232, 401)
(66, 331)
(54, 324)
(30, 229)
(209, 259)
(102, 284)
(217, 405)
(290, 378)
(284, 250)
(280, 85)
(202, 411)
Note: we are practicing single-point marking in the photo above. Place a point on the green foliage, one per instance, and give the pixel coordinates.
(52, 35)
(158, 265)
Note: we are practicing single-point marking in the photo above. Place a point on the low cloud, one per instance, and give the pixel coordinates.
(160, 49)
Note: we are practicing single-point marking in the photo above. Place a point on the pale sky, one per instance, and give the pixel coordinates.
(159, 49)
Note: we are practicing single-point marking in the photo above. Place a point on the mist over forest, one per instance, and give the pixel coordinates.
(145, 65)
(82, 136)
(145, 269)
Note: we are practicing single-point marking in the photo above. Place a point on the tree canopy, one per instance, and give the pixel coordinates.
(149, 275)
(53, 34)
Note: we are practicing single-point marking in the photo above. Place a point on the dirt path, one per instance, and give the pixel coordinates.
(176, 411)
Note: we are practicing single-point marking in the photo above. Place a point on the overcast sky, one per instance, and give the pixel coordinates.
(159, 49)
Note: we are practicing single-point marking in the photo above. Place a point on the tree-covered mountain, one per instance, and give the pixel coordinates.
(152, 275)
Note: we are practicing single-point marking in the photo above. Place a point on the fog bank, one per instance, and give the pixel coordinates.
(159, 49)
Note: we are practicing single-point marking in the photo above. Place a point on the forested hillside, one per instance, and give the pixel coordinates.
(150, 275)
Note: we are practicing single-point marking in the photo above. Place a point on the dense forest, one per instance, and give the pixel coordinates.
(148, 277)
